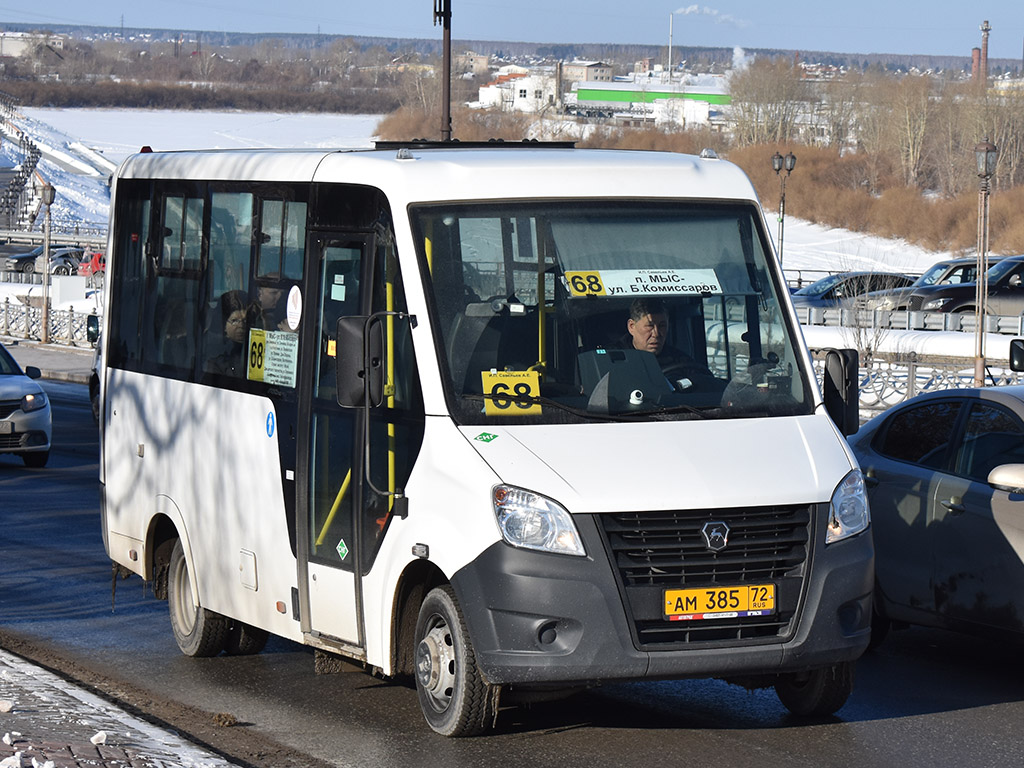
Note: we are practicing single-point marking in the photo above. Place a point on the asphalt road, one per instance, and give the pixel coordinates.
(924, 698)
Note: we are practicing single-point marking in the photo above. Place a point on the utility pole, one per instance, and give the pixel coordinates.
(443, 14)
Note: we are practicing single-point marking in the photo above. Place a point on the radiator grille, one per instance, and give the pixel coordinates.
(653, 551)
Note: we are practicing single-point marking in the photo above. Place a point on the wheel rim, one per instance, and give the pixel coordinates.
(182, 597)
(436, 664)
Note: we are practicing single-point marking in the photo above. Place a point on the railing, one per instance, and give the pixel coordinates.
(879, 320)
(67, 326)
(887, 380)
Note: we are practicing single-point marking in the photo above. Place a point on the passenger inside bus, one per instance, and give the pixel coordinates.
(237, 316)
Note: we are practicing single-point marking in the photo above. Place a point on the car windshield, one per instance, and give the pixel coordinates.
(537, 317)
(933, 275)
(820, 286)
(7, 365)
(1001, 268)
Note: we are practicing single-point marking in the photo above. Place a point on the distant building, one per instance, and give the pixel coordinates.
(520, 92)
(587, 71)
(475, 63)
(20, 43)
(689, 100)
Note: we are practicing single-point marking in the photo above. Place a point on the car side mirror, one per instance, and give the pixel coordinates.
(32, 372)
(1007, 477)
(1014, 281)
(1017, 354)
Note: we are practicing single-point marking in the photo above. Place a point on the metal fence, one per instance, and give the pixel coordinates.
(887, 380)
(67, 326)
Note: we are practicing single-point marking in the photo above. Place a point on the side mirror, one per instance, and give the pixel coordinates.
(1017, 354)
(1008, 477)
(1014, 281)
(359, 361)
(92, 328)
(841, 390)
(32, 372)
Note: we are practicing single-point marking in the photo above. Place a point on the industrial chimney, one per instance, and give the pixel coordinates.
(985, 29)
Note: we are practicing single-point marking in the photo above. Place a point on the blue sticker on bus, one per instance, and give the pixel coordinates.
(270, 424)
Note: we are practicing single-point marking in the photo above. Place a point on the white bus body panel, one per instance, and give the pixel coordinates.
(205, 459)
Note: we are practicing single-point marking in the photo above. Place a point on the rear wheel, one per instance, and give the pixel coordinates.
(817, 693)
(245, 640)
(454, 697)
(198, 631)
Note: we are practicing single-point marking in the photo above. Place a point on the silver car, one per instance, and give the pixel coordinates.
(25, 420)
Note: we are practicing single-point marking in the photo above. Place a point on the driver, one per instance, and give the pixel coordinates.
(647, 330)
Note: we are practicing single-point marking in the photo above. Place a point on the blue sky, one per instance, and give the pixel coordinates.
(941, 27)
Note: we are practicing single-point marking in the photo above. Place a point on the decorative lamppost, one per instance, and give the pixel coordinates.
(48, 195)
(780, 163)
(985, 155)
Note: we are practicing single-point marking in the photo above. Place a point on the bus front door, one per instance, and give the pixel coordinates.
(329, 563)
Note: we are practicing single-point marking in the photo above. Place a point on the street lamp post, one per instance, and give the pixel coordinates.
(48, 194)
(780, 163)
(985, 155)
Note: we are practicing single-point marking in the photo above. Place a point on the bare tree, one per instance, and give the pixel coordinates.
(767, 97)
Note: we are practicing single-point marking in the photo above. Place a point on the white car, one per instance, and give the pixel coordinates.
(25, 420)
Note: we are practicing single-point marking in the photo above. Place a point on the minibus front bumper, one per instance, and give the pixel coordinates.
(538, 618)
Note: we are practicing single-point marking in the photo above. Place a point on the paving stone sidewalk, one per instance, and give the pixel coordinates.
(47, 721)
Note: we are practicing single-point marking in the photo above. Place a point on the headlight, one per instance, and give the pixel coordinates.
(532, 521)
(34, 402)
(933, 305)
(849, 513)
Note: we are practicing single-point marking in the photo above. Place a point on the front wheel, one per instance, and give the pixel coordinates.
(817, 693)
(198, 631)
(455, 698)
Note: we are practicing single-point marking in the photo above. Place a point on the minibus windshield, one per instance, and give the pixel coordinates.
(613, 310)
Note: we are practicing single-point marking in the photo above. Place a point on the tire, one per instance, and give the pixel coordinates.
(36, 459)
(454, 697)
(245, 640)
(198, 631)
(818, 693)
(63, 270)
(28, 266)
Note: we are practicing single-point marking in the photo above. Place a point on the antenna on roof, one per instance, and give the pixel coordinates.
(443, 13)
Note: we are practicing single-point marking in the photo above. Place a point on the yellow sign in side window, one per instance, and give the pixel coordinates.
(257, 353)
(585, 283)
(505, 386)
(273, 357)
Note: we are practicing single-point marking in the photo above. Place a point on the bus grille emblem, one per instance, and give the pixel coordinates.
(716, 535)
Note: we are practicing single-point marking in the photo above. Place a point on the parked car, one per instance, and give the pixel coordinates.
(947, 272)
(63, 261)
(945, 476)
(1005, 292)
(92, 263)
(25, 421)
(840, 288)
(23, 262)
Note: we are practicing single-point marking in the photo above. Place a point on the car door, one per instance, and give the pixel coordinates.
(977, 535)
(1008, 297)
(900, 468)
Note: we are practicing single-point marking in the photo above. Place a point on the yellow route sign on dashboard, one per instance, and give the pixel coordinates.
(503, 388)
(585, 283)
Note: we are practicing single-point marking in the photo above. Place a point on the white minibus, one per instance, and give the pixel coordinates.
(502, 420)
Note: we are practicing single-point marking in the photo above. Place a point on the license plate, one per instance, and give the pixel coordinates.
(719, 602)
(6, 427)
